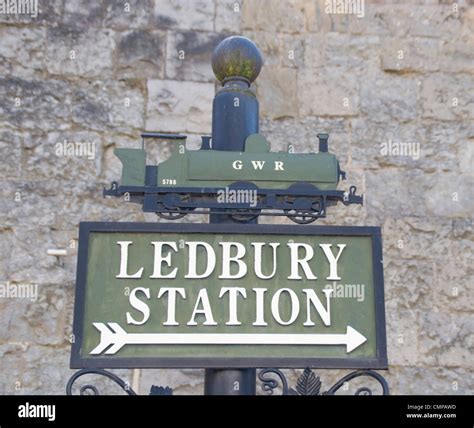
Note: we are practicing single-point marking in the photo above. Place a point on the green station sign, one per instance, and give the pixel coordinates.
(194, 295)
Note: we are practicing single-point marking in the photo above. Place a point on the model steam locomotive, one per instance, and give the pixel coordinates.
(243, 185)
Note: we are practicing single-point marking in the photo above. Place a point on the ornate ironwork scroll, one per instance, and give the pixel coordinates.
(310, 384)
(90, 389)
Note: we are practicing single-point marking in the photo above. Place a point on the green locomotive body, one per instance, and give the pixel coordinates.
(282, 179)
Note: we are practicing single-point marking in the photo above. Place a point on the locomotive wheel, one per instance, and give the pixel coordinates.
(174, 213)
(247, 213)
(245, 216)
(304, 216)
(300, 217)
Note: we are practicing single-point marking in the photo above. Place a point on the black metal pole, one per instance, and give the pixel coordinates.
(236, 62)
(229, 382)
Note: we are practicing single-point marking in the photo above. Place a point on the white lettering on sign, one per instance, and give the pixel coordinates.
(258, 259)
(258, 165)
(332, 260)
(296, 262)
(295, 306)
(313, 299)
(233, 253)
(259, 308)
(202, 300)
(237, 164)
(234, 264)
(137, 304)
(279, 166)
(160, 259)
(227, 260)
(171, 293)
(192, 257)
(234, 295)
(124, 261)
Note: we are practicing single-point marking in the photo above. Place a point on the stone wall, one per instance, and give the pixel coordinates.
(400, 76)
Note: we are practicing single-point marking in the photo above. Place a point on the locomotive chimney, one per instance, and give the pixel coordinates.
(236, 63)
(323, 142)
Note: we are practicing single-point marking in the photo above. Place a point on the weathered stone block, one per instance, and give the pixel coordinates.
(387, 98)
(141, 54)
(397, 198)
(467, 20)
(11, 355)
(22, 50)
(73, 51)
(423, 20)
(100, 105)
(136, 14)
(433, 381)
(179, 106)
(228, 16)
(408, 283)
(328, 92)
(453, 285)
(45, 369)
(39, 321)
(462, 246)
(446, 340)
(450, 195)
(6, 236)
(430, 146)
(29, 261)
(188, 55)
(277, 91)
(29, 203)
(35, 104)
(10, 153)
(83, 13)
(314, 51)
(317, 20)
(447, 97)
(74, 154)
(274, 16)
(417, 238)
(356, 52)
(401, 145)
(293, 50)
(402, 337)
(434, 21)
(195, 15)
(448, 147)
(412, 54)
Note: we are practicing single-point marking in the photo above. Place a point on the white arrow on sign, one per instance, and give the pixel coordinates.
(112, 334)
